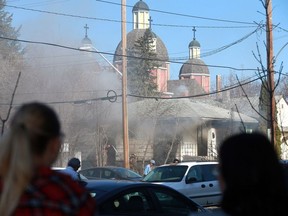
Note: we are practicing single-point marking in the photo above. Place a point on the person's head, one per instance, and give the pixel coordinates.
(152, 162)
(250, 172)
(74, 163)
(33, 139)
(176, 160)
(36, 127)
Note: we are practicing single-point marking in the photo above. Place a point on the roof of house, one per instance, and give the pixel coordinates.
(247, 105)
(183, 108)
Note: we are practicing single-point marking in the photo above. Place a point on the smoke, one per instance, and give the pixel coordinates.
(182, 91)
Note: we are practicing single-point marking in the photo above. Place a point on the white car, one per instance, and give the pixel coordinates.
(197, 180)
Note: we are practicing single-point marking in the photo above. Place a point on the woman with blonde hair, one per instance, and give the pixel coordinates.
(28, 186)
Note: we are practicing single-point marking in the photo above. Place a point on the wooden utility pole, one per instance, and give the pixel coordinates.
(270, 71)
(124, 87)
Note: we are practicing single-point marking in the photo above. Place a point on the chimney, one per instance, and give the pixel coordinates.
(218, 87)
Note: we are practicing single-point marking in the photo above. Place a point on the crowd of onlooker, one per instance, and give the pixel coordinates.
(251, 177)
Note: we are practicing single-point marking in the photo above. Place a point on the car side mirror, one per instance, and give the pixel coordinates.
(191, 180)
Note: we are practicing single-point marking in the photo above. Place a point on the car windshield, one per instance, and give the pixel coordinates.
(126, 173)
(166, 174)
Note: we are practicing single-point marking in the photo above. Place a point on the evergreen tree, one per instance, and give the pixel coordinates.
(9, 48)
(141, 80)
(11, 54)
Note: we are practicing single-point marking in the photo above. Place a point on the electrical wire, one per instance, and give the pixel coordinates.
(252, 25)
(163, 25)
(114, 97)
(128, 56)
(221, 48)
(198, 95)
(183, 15)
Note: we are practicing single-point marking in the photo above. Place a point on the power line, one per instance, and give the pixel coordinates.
(282, 29)
(154, 24)
(198, 95)
(196, 17)
(223, 47)
(183, 15)
(115, 96)
(128, 56)
(207, 53)
(119, 21)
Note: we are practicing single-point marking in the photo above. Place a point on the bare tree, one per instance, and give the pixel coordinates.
(4, 120)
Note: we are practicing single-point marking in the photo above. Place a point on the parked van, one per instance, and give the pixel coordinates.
(197, 180)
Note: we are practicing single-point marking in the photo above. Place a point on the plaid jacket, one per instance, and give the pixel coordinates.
(53, 193)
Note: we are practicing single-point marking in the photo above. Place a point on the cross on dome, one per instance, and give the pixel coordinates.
(150, 22)
(86, 29)
(194, 31)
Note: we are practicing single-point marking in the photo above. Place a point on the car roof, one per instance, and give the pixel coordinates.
(112, 168)
(190, 163)
(109, 185)
(117, 186)
(107, 167)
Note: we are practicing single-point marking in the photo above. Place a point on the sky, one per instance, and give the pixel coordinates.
(221, 26)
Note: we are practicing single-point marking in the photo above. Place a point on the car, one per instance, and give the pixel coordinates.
(110, 172)
(284, 164)
(122, 197)
(197, 180)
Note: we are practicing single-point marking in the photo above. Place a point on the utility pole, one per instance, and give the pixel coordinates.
(270, 71)
(124, 86)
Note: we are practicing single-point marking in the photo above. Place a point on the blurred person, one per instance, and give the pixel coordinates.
(72, 168)
(251, 177)
(149, 167)
(111, 155)
(133, 162)
(28, 186)
(176, 161)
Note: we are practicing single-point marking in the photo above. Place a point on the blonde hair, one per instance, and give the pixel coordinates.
(33, 125)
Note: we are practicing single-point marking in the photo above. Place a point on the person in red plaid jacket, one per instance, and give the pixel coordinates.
(28, 186)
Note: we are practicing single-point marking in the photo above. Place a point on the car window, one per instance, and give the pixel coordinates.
(108, 174)
(200, 173)
(166, 174)
(131, 174)
(126, 173)
(172, 204)
(194, 174)
(208, 172)
(133, 201)
(94, 173)
(82, 177)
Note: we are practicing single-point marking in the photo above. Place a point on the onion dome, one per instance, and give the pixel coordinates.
(194, 43)
(193, 66)
(140, 5)
(86, 42)
(132, 37)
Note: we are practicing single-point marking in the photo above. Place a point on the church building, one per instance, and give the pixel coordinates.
(141, 22)
(194, 76)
